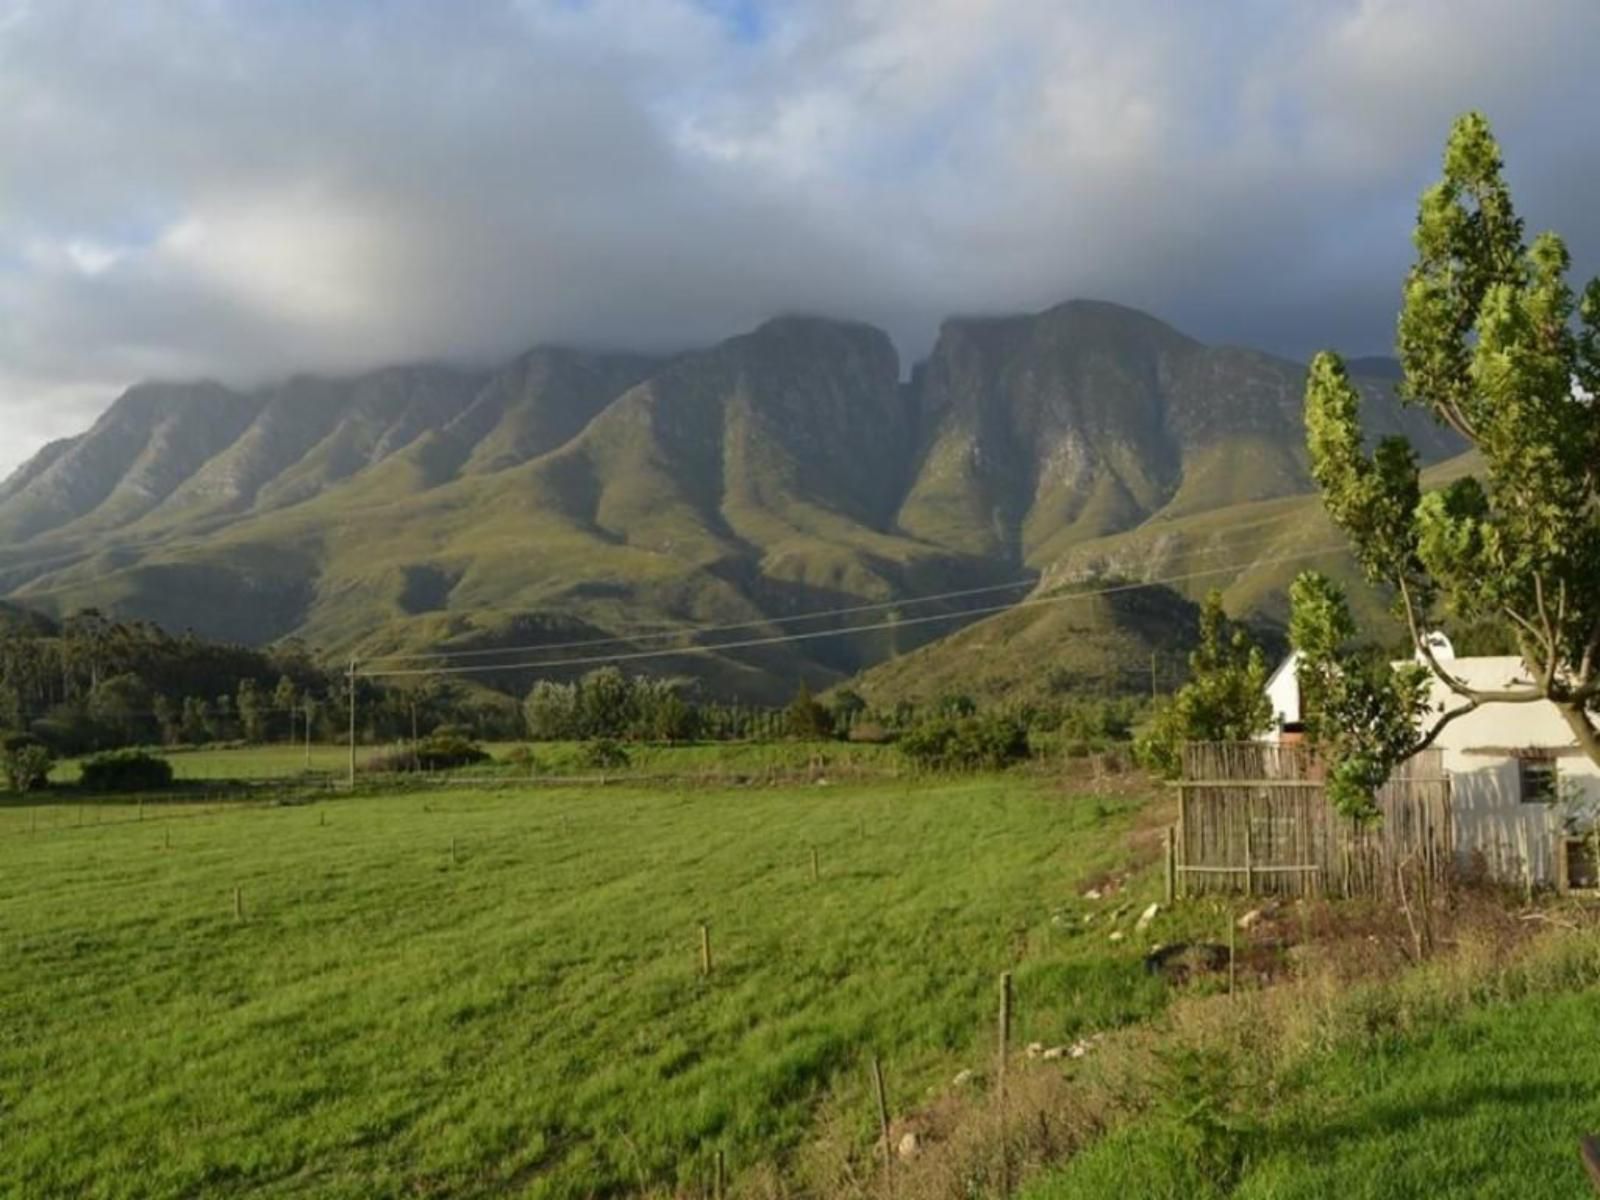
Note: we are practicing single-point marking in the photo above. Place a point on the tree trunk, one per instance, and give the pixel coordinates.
(1578, 720)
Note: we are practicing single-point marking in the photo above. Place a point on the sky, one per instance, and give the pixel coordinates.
(240, 191)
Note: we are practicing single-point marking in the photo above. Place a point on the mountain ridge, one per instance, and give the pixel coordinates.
(786, 469)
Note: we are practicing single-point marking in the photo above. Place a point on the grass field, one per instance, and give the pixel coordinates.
(1455, 1080)
(219, 763)
(528, 1018)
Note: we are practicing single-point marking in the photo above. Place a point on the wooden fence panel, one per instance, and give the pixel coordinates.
(1255, 818)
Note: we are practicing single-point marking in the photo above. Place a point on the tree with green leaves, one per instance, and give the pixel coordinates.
(25, 762)
(285, 699)
(252, 706)
(806, 718)
(1493, 342)
(1225, 699)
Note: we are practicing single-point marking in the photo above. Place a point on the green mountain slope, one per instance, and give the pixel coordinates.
(779, 473)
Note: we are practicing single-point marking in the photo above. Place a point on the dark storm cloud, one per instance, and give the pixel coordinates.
(239, 190)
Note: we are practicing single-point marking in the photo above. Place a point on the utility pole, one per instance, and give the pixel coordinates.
(351, 678)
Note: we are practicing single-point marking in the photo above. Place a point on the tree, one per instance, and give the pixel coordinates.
(252, 706)
(1488, 344)
(605, 703)
(1225, 699)
(847, 706)
(551, 710)
(169, 719)
(25, 762)
(806, 719)
(197, 720)
(121, 707)
(285, 697)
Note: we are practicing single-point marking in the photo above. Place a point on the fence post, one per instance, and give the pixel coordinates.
(1182, 883)
(883, 1122)
(1004, 1032)
(1169, 862)
(352, 679)
(1004, 1052)
(815, 872)
(705, 949)
(1232, 953)
(1249, 866)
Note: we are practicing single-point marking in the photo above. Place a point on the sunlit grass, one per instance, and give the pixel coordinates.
(526, 1018)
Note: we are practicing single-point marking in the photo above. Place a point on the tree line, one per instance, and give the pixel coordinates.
(93, 683)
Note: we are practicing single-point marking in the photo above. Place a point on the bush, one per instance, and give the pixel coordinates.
(966, 743)
(871, 732)
(126, 771)
(524, 759)
(443, 750)
(806, 719)
(603, 754)
(25, 762)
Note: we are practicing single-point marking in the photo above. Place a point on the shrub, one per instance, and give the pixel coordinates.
(603, 754)
(806, 719)
(442, 750)
(966, 743)
(126, 771)
(523, 758)
(25, 762)
(871, 732)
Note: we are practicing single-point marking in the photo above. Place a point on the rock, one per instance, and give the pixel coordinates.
(1147, 916)
(1035, 1049)
(1083, 1045)
(1250, 920)
(1054, 1053)
(963, 1077)
(909, 1146)
(1117, 935)
(1092, 894)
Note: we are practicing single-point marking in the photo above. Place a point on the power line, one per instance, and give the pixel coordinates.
(777, 639)
(849, 610)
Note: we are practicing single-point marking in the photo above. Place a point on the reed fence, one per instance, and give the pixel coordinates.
(1255, 818)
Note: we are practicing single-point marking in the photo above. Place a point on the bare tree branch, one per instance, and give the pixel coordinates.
(1458, 686)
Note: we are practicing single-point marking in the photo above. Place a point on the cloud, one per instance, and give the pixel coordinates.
(212, 187)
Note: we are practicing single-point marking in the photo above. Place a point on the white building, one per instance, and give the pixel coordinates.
(1519, 785)
(1283, 690)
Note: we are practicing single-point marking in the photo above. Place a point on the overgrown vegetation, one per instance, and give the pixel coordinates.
(93, 684)
(443, 750)
(125, 771)
(1225, 699)
(966, 743)
(25, 762)
(1494, 343)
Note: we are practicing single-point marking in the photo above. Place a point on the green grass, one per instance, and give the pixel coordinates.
(716, 758)
(528, 1020)
(259, 763)
(236, 763)
(1490, 1104)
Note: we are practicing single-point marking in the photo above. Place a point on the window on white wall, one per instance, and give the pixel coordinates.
(1536, 778)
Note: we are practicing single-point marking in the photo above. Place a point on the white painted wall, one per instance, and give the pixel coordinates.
(1283, 690)
(1485, 792)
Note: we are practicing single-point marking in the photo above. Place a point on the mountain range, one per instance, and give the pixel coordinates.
(574, 495)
